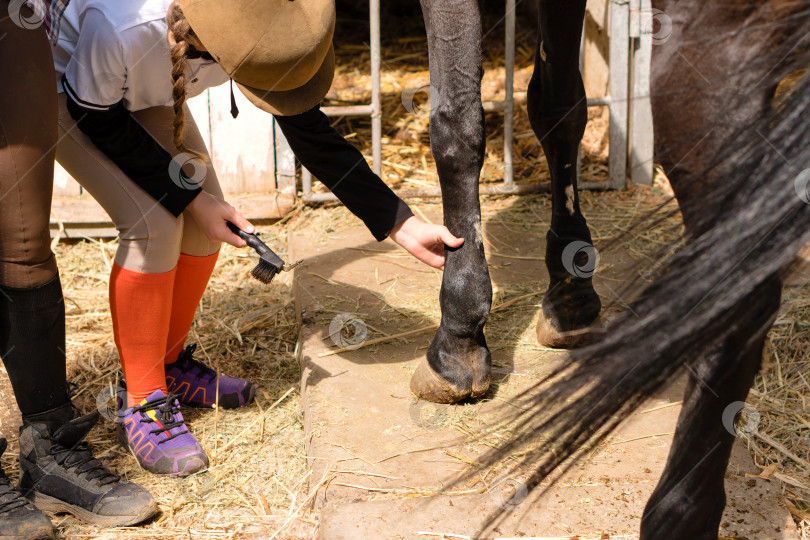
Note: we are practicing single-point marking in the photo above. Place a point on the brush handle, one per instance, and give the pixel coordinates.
(260, 247)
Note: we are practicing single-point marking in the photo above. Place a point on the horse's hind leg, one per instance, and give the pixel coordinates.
(701, 99)
(690, 497)
(458, 361)
(558, 113)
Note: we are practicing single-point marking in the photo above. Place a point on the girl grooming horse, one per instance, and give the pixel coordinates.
(125, 70)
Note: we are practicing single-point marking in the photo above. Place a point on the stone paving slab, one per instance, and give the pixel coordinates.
(382, 458)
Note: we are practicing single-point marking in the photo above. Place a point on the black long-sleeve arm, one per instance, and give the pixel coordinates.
(122, 139)
(343, 169)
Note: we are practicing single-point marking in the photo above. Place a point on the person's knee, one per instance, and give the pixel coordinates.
(26, 259)
(152, 244)
(195, 242)
(17, 274)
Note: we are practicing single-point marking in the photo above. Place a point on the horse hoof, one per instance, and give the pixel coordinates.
(428, 385)
(480, 388)
(550, 336)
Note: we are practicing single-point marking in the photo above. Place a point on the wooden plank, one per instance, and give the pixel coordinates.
(597, 10)
(259, 207)
(284, 162)
(595, 49)
(63, 184)
(641, 121)
(71, 235)
(241, 148)
(81, 211)
(619, 82)
(85, 213)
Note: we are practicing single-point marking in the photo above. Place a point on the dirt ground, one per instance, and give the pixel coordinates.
(265, 477)
(387, 464)
(264, 480)
(258, 473)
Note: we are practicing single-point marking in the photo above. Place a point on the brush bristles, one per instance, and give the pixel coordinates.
(264, 271)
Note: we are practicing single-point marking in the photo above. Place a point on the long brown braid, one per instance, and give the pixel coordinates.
(178, 33)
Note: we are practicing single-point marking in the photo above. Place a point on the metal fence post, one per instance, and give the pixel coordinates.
(509, 100)
(641, 122)
(376, 97)
(619, 82)
(372, 110)
(617, 102)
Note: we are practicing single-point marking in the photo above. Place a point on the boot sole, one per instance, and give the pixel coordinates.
(52, 506)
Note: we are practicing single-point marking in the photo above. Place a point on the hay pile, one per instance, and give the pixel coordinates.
(258, 479)
(780, 400)
(407, 161)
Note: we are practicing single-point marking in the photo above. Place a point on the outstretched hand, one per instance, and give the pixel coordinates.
(212, 214)
(424, 241)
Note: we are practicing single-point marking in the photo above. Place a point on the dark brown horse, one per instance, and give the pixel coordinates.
(731, 153)
(458, 361)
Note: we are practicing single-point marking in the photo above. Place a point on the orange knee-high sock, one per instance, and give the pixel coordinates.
(190, 282)
(141, 306)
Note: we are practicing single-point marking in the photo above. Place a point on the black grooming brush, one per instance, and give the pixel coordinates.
(270, 264)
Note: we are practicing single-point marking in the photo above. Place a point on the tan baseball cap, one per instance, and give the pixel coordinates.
(278, 52)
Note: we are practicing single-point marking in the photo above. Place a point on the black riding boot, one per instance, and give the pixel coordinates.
(60, 474)
(18, 517)
(32, 345)
(58, 471)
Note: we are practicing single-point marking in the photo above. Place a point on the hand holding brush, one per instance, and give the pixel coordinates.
(269, 263)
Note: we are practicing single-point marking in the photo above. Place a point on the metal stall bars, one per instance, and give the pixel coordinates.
(374, 110)
(640, 122)
(618, 103)
(630, 116)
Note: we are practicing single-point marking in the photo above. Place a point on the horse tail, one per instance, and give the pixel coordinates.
(762, 221)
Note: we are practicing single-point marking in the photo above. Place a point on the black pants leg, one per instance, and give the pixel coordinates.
(32, 313)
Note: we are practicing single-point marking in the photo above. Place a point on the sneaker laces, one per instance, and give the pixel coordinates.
(165, 410)
(190, 365)
(10, 498)
(80, 458)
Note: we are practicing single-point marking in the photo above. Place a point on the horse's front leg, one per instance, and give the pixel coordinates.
(558, 113)
(458, 361)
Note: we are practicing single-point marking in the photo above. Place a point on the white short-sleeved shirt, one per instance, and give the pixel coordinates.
(117, 50)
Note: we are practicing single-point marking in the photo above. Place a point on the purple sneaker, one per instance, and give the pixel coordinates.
(195, 384)
(156, 434)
